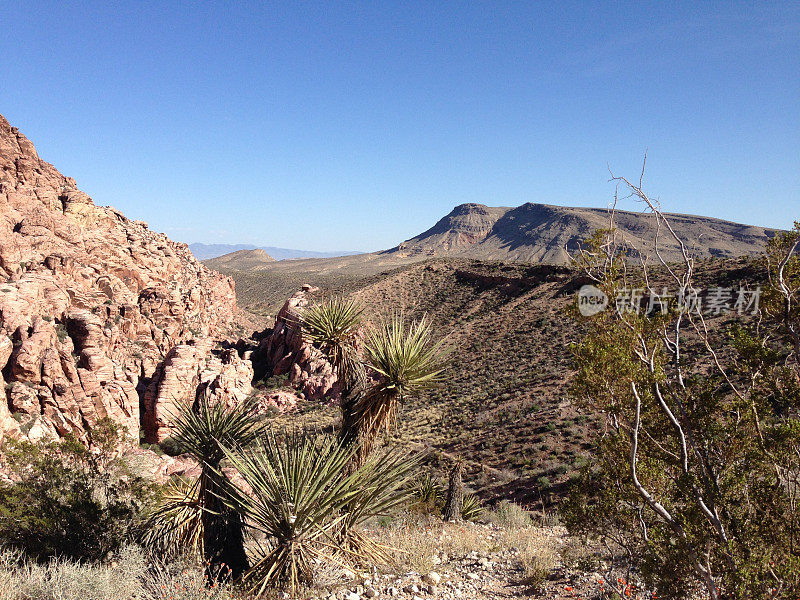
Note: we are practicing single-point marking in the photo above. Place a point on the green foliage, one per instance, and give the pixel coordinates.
(170, 447)
(428, 490)
(697, 475)
(406, 360)
(332, 326)
(401, 358)
(405, 356)
(67, 500)
(175, 524)
(307, 506)
(471, 509)
(509, 514)
(203, 431)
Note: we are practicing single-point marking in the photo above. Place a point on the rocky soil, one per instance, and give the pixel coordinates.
(489, 561)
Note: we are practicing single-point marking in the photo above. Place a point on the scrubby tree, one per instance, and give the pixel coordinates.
(696, 475)
(66, 500)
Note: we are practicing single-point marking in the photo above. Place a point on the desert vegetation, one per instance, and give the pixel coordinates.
(695, 477)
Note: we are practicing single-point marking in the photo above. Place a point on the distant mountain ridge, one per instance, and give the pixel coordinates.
(207, 251)
(543, 233)
(537, 233)
(241, 260)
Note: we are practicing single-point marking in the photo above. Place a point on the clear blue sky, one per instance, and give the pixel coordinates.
(353, 126)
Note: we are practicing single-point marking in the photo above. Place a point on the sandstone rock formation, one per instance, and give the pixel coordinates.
(91, 304)
(192, 372)
(282, 351)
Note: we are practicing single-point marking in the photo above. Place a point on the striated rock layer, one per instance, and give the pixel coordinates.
(93, 305)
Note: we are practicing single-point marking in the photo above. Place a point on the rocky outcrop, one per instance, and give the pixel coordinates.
(282, 351)
(192, 372)
(91, 305)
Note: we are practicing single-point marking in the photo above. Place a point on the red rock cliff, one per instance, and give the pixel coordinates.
(90, 302)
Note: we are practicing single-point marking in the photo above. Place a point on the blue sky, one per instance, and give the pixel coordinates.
(353, 126)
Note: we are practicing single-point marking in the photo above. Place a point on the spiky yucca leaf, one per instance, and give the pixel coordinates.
(471, 508)
(427, 491)
(303, 500)
(202, 430)
(406, 360)
(175, 526)
(383, 484)
(332, 326)
(405, 355)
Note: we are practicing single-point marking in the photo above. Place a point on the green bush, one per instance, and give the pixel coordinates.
(68, 501)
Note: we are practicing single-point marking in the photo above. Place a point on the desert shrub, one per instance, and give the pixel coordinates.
(509, 514)
(697, 474)
(131, 575)
(65, 500)
(170, 446)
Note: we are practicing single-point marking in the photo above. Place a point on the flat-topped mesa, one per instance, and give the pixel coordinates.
(240, 260)
(544, 233)
(90, 302)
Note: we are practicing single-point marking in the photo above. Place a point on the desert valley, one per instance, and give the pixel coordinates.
(107, 323)
(399, 300)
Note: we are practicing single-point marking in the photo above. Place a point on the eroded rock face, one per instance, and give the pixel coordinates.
(192, 372)
(91, 303)
(283, 352)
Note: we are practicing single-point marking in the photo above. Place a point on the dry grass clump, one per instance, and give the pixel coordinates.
(509, 514)
(420, 543)
(130, 576)
(538, 551)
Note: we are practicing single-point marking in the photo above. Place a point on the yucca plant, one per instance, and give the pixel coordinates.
(406, 360)
(382, 483)
(202, 431)
(332, 326)
(427, 492)
(471, 508)
(175, 525)
(301, 498)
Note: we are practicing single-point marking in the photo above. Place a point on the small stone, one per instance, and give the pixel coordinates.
(411, 589)
(371, 592)
(352, 596)
(433, 578)
(393, 591)
(473, 576)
